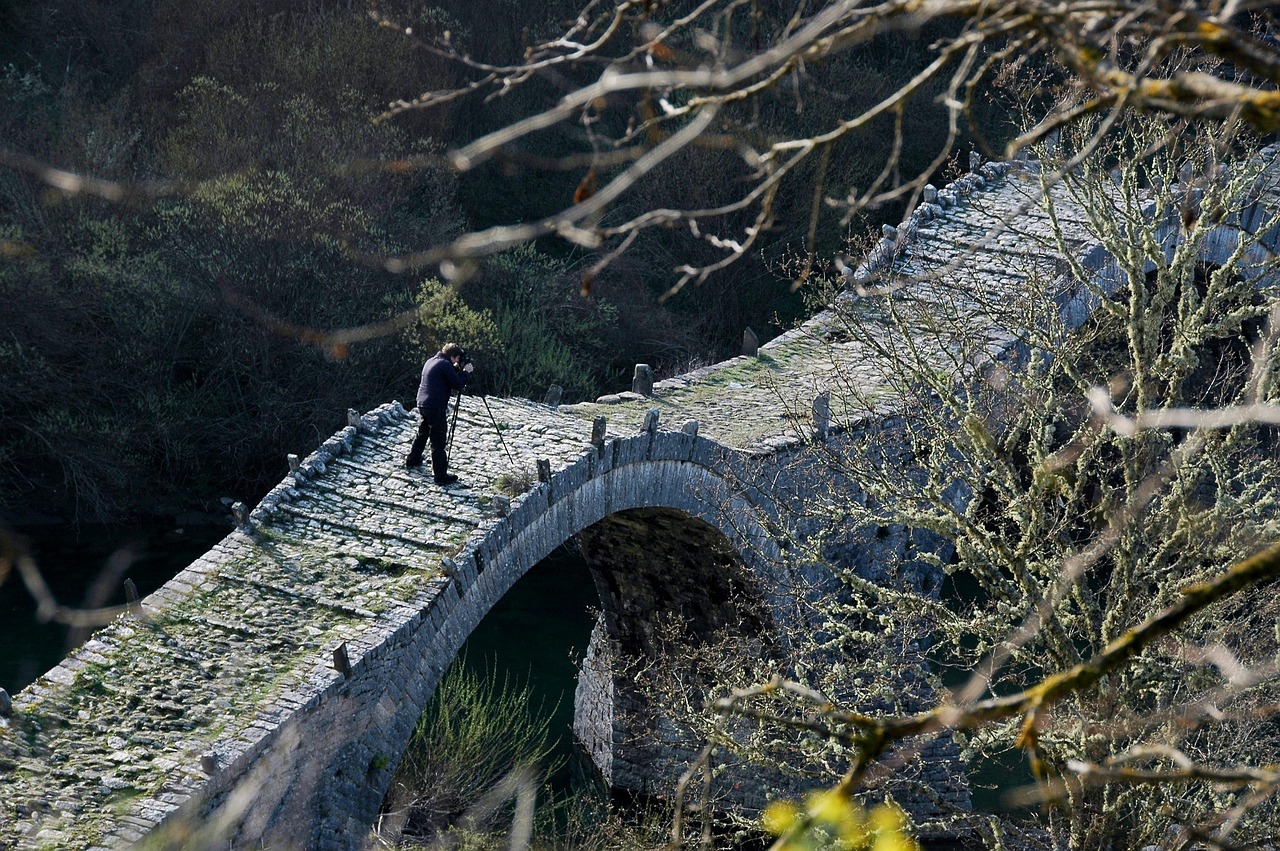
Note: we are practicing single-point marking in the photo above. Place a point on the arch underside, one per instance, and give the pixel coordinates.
(670, 586)
(655, 565)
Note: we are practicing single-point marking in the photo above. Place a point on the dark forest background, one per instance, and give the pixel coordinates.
(134, 380)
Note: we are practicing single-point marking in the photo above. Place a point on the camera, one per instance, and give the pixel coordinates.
(466, 358)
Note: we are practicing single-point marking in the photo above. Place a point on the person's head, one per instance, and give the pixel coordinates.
(453, 352)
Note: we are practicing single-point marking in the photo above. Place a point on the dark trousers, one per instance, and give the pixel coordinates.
(434, 427)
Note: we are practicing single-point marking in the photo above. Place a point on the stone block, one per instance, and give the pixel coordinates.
(573, 476)
(632, 450)
(642, 381)
(668, 444)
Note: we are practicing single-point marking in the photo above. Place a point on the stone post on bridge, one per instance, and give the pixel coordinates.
(599, 428)
(822, 415)
(642, 383)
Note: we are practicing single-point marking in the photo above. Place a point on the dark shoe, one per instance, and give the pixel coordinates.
(409, 463)
(446, 479)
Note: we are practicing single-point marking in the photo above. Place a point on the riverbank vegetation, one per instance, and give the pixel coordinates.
(477, 731)
(477, 774)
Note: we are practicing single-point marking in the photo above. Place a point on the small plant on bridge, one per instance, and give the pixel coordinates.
(514, 482)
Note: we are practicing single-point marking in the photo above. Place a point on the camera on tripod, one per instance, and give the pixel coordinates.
(466, 358)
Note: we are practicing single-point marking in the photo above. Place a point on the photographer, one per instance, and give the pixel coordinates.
(443, 373)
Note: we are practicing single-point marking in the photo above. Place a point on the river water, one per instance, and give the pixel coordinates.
(72, 561)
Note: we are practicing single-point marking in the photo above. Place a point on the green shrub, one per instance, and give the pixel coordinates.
(477, 730)
(443, 317)
(548, 332)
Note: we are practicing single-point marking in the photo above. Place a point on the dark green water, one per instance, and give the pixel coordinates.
(538, 633)
(72, 562)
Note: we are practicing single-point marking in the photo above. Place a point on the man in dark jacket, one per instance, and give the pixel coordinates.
(442, 374)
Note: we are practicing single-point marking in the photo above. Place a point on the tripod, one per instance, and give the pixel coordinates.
(453, 426)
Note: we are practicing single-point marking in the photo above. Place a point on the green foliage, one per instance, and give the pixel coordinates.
(528, 328)
(129, 379)
(584, 823)
(23, 90)
(476, 731)
(443, 317)
(476, 737)
(579, 823)
(73, 393)
(550, 333)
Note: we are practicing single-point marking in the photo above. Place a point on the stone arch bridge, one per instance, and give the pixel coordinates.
(293, 659)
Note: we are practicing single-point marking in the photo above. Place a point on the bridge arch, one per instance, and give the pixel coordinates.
(667, 531)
